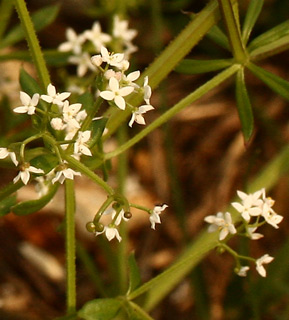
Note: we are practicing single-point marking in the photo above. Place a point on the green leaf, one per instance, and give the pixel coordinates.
(244, 106)
(97, 127)
(28, 83)
(40, 19)
(46, 162)
(190, 66)
(101, 309)
(277, 84)
(254, 9)
(276, 39)
(134, 273)
(31, 206)
(6, 204)
(219, 37)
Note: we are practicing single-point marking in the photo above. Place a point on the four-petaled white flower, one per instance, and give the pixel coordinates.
(120, 30)
(24, 173)
(155, 215)
(4, 153)
(250, 206)
(113, 59)
(242, 272)
(97, 37)
(221, 222)
(265, 259)
(54, 97)
(64, 172)
(137, 116)
(29, 104)
(83, 62)
(80, 145)
(74, 42)
(116, 93)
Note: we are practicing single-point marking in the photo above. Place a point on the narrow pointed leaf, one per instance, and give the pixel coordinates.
(244, 106)
(219, 37)
(277, 84)
(40, 19)
(270, 49)
(28, 83)
(32, 206)
(270, 36)
(134, 273)
(254, 9)
(190, 66)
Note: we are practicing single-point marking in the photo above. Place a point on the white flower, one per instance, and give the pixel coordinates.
(42, 186)
(80, 144)
(97, 37)
(254, 235)
(74, 42)
(110, 232)
(57, 124)
(4, 153)
(110, 58)
(96, 60)
(116, 93)
(128, 79)
(265, 259)
(221, 222)
(83, 62)
(120, 30)
(64, 173)
(147, 90)
(251, 204)
(242, 272)
(70, 113)
(268, 213)
(137, 116)
(155, 215)
(271, 216)
(54, 97)
(29, 104)
(24, 173)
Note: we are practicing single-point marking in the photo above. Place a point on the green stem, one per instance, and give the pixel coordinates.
(231, 20)
(222, 76)
(33, 42)
(122, 246)
(86, 171)
(70, 246)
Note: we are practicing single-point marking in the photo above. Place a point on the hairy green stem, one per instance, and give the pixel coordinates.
(70, 246)
(33, 42)
(232, 25)
(222, 76)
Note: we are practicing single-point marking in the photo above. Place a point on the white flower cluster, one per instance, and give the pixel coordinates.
(77, 43)
(119, 85)
(255, 209)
